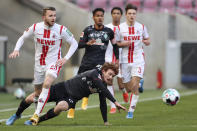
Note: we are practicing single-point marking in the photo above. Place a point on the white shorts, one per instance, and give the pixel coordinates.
(39, 75)
(129, 70)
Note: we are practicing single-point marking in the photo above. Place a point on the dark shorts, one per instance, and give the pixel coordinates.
(57, 95)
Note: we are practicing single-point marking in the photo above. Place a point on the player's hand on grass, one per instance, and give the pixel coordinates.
(107, 124)
(61, 62)
(91, 42)
(14, 54)
(120, 107)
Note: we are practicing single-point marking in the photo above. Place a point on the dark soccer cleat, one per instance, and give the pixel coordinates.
(12, 119)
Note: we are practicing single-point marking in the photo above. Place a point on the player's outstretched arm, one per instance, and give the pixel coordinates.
(27, 33)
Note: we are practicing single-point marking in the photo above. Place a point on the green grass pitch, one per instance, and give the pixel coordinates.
(151, 115)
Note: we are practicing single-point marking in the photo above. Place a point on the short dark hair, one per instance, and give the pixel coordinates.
(44, 10)
(98, 9)
(130, 6)
(106, 66)
(116, 8)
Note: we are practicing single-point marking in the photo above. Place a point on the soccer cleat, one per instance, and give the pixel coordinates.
(71, 113)
(141, 89)
(129, 115)
(34, 119)
(12, 119)
(28, 123)
(125, 97)
(84, 104)
(112, 111)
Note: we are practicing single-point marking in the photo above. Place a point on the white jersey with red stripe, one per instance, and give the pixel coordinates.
(48, 41)
(109, 54)
(134, 53)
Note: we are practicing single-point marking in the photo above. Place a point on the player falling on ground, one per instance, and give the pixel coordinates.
(48, 40)
(95, 39)
(116, 14)
(133, 35)
(67, 93)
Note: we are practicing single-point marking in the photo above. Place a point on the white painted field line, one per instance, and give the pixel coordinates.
(94, 106)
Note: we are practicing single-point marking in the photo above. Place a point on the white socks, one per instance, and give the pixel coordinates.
(35, 102)
(133, 103)
(110, 88)
(42, 100)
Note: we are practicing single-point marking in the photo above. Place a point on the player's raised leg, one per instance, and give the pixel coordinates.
(61, 106)
(25, 103)
(122, 88)
(43, 98)
(133, 85)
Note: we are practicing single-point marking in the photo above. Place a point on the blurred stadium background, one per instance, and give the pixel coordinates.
(171, 57)
(171, 24)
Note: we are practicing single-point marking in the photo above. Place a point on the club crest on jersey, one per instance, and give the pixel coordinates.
(105, 36)
(83, 78)
(41, 100)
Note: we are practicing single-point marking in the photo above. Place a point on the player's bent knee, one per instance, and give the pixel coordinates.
(37, 93)
(62, 106)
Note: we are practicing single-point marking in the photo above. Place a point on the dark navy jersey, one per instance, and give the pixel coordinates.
(95, 54)
(83, 85)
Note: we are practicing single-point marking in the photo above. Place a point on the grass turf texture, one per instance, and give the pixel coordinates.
(150, 115)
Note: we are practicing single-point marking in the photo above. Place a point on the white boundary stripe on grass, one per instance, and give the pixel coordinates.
(94, 106)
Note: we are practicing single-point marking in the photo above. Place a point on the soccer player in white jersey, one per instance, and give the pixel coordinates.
(132, 36)
(116, 14)
(48, 40)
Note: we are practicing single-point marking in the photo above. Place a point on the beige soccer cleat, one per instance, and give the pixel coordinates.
(34, 119)
(84, 104)
(71, 113)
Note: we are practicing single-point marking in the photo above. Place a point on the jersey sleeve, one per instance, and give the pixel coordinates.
(103, 107)
(111, 34)
(27, 34)
(108, 53)
(68, 37)
(66, 34)
(83, 38)
(145, 33)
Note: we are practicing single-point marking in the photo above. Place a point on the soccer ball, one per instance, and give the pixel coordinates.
(19, 93)
(171, 97)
